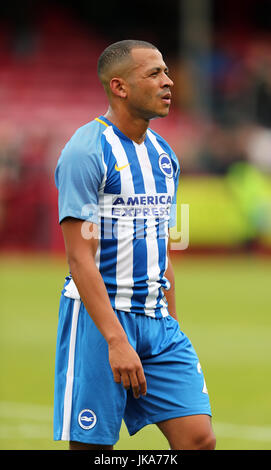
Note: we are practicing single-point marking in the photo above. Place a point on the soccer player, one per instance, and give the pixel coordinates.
(120, 351)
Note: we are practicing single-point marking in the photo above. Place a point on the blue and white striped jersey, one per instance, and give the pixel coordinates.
(129, 191)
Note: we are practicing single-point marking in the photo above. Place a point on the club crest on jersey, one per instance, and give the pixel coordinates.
(87, 419)
(165, 165)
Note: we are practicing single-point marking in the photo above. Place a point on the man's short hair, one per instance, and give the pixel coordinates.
(117, 52)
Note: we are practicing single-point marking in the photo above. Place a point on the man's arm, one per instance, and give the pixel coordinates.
(124, 361)
(170, 294)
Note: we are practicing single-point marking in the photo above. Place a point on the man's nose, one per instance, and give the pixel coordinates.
(167, 81)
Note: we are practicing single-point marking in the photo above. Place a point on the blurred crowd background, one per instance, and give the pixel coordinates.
(219, 56)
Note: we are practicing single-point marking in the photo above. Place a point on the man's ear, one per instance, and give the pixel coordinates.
(118, 87)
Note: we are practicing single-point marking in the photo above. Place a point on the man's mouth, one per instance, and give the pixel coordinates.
(166, 98)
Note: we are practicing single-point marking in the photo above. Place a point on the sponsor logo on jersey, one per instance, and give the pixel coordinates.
(142, 205)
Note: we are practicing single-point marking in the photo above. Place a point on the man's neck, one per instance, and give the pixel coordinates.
(134, 128)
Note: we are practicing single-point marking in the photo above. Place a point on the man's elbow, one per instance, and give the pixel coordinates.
(76, 261)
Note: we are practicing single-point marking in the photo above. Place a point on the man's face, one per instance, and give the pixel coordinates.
(148, 84)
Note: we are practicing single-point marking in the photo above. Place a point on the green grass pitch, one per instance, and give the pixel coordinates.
(223, 306)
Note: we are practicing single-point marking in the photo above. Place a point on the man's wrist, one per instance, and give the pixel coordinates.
(116, 338)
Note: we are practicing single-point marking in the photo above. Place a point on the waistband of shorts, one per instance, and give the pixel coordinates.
(70, 290)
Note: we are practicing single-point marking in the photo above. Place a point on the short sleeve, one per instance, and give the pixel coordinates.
(78, 176)
(176, 176)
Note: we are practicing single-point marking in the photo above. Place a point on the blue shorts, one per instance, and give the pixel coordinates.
(89, 406)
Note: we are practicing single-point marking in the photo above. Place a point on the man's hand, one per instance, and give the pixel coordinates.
(126, 367)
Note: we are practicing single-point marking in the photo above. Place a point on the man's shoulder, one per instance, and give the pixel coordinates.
(85, 142)
(88, 135)
(82, 154)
